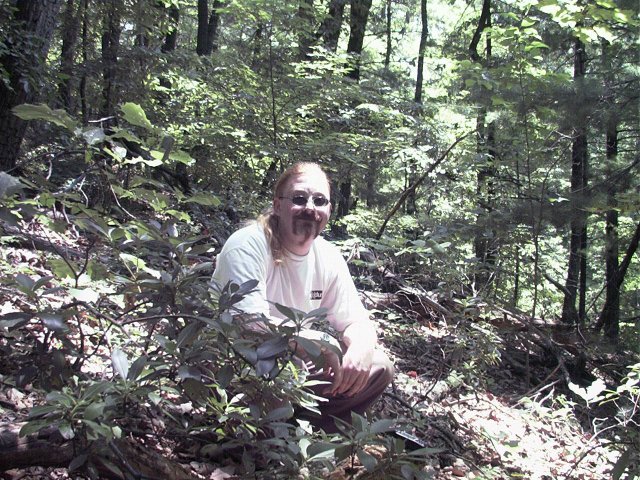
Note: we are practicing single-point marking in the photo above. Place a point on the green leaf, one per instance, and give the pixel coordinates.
(273, 347)
(151, 163)
(41, 410)
(181, 156)
(78, 462)
(95, 389)
(14, 320)
(383, 425)
(9, 185)
(134, 114)
(290, 313)
(53, 321)
(154, 398)
(60, 268)
(93, 135)
(25, 281)
(205, 199)
(367, 460)
(264, 367)
(120, 363)
(187, 371)
(281, 413)
(84, 294)
(66, 430)
(30, 428)
(188, 334)
(137, 367)
(94, 410)
(321, 450)
(311, 347)
(225, 375)
(43, 112)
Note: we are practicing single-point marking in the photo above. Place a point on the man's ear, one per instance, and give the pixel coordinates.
(277, 204)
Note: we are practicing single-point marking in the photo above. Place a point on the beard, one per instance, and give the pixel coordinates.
(307, 224)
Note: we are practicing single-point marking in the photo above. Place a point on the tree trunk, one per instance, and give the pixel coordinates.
(36, 21)
(208, 27)
(387, 53)
(171, 38)
(577, 243)
(214, 26)
(610, 323)
(203, 27)
(332, 24)
(358, 24)
(110, 46)
(610, 315)
(84, 108)
(257, 47)
(424, 35)
(169, 45)
(344, 203)
(305, 34)
(485, 238)
(67, 53)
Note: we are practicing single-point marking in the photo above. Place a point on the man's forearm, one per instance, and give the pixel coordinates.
(360, 334)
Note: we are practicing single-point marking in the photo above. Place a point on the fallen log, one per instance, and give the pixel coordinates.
(48, 449)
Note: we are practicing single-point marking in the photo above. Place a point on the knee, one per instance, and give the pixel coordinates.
(384, 365)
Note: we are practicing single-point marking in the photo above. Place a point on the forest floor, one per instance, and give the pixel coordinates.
(461, 393)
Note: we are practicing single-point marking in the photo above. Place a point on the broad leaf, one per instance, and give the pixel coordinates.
(134, 114)
(367, 460)
(120, 363)
(43, 112)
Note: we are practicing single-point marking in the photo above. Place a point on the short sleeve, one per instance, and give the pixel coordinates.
(244, 257)
(341, 298)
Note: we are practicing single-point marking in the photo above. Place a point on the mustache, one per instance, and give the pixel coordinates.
(308, 216)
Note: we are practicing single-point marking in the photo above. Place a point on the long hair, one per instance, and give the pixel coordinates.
(269, 221)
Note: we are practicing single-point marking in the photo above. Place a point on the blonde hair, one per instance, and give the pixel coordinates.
(269, 220)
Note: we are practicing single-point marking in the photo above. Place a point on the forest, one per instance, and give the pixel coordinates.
(485, 194)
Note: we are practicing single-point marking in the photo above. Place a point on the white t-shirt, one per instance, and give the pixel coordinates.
(320, 279)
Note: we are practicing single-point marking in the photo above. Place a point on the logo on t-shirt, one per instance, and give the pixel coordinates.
(316, 294)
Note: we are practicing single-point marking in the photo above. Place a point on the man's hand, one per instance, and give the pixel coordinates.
(352, 376)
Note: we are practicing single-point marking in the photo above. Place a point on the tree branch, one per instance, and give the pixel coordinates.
(412, 188)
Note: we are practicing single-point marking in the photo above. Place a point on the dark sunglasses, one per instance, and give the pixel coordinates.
(301, 200)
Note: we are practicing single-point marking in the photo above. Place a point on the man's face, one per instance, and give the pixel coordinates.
(299, 225)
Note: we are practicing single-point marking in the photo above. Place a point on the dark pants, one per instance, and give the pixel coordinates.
(380, 377)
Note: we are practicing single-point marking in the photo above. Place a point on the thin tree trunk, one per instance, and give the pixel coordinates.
(85, 60)
(305, 34)
(214, 27)
(610, 316)
(424, 35)
(388, 17)
(67, 53)
(332, 24)
(577, 242)
(257, 46)
(611, 323)
(36, 21)
(110, 47)
(484, 241)
(171, 38)
(358, 24)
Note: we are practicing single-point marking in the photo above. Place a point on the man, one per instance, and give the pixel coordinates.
(297, 268)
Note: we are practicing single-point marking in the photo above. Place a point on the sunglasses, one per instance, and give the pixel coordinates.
(301, 200)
